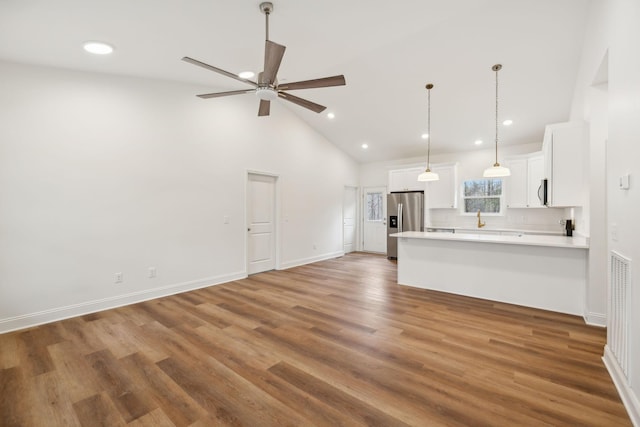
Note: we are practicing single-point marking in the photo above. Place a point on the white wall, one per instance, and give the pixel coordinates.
(471, 165)
(613, 33)
(102, 174)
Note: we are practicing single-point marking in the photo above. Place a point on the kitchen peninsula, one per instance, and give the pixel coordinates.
(540, 271)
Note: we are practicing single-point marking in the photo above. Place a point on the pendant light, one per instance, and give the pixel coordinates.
(427, 175)
(496, 170)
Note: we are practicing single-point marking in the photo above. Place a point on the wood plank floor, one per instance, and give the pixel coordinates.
(327, 344)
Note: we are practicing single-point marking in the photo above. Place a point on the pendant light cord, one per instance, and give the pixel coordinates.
(497, 170)
(427, 175)
(497, 68)
(429, 127)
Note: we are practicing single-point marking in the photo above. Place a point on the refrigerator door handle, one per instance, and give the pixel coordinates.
(399, 217)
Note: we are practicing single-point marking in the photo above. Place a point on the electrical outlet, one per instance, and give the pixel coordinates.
(315, 246)
(226, 219)
(151, 273)
(118, 278)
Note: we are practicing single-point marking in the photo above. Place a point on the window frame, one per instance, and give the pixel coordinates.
(463, 198)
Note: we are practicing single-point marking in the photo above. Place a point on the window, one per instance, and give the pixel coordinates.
(484, 195)
(374, 206)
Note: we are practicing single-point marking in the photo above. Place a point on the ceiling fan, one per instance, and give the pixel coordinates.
(267, 87)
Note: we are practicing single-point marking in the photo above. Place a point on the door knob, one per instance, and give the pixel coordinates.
(248, 229)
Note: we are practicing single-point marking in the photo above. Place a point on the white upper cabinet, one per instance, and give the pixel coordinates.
(516, 183)
(522, 186)
(563, 148)
(535, 174)
(405, 180)
(443, 194)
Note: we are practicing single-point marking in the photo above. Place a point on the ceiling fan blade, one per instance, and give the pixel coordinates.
(273, 53)
(308, 84)
(218, 70)
(219, 94)
(265, 108)
(302, 102)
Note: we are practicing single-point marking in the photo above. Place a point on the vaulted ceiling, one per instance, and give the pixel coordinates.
(387, 51)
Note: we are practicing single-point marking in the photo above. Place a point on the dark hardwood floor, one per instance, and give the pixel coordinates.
(327, 344)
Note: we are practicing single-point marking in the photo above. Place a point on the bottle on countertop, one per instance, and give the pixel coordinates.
(569, 227)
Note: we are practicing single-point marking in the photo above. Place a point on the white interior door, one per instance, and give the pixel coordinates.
(374, 211)
(261, 241)
(349, 218)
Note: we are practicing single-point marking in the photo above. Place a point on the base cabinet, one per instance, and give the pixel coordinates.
(497, 272)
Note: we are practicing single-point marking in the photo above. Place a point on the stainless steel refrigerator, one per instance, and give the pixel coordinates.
(405, 212)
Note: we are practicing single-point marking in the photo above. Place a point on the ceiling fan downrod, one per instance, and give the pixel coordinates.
(266, 8)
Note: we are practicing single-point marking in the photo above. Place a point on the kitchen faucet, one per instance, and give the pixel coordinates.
(480, 223)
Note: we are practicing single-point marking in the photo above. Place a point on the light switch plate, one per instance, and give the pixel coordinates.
(624, 182)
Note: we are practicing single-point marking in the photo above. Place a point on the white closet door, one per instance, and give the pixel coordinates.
(261, 195)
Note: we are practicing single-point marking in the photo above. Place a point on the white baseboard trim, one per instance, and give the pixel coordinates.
(596, 319)
(627, 395)
(59, 313)
(303, 261)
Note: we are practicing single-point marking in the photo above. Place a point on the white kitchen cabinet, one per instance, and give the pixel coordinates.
(563, 147)
(527, 172)
(517, 183)
(535, 174)
(405, 179)
(443, 194)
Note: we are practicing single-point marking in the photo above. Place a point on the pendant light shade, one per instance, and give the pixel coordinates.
(427, 175)
(496, 171)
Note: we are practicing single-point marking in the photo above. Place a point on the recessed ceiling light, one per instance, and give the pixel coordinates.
(424, 136)
(478, 142)
(331, 116)
(246, 74)
(365, 146)
(507, 122)
(98, 48)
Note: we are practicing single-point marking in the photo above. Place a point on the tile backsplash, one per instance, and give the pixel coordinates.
(539, 219)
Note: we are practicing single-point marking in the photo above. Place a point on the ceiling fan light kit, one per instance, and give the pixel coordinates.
(266, 93)
(428, 175)
(496, 171)
(266, 87)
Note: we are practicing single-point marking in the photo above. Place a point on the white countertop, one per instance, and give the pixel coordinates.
(574, 242)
